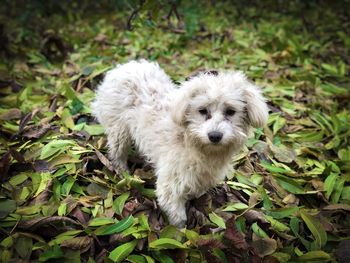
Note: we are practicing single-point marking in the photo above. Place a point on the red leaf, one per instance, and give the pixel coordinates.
(235, 237)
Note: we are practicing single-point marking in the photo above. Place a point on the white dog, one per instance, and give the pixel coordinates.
(189, 133)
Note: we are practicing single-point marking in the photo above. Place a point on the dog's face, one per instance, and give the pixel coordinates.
(217, 109)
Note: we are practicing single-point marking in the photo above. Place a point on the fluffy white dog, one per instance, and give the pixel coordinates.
(189, 133)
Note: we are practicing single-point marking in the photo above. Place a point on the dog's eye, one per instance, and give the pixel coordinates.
(229, 112)
(203, 111)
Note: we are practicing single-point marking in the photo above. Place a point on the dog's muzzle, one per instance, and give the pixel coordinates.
(215, 136)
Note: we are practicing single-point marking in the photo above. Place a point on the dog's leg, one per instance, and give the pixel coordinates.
(171, 203)
(119, 143)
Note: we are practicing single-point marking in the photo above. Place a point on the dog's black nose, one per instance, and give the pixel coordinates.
(215, 136)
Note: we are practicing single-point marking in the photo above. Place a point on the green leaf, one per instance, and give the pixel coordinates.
(51, 253)
(344, 195)
(267, 203)
(69, 93)
(7, 207)
(162, 257)
(66, 119)
(120, 253)
(329, 184)
(88, 70)
(338, 190)
(166, 243)
(55, 147)
(148, 259)
(62, 209)
(76, 106)
(7, 242)
(314, 256)
(315, 227)
(191, 235)
(294, 225)
(64, 236)
(169, 231)
(282, 212)
(67, 185)
(275, 224)
(24, 247)
(258, 231)
(94, 129)
(100, 221)
(119, 203)
(282, 257)
(290, 185)
(115, 228)
(143, 221)
(45, 178)
(274, 169)
(136, 259)
(278, 124)
(217, 220)
(330, 69)
(18, 179)
(235, 207)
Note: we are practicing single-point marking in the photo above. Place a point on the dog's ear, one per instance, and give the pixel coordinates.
(256, 106)
(179, 108)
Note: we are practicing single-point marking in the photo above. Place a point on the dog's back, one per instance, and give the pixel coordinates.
(133, 86)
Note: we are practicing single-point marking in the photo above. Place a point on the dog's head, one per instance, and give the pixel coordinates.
(217, 109)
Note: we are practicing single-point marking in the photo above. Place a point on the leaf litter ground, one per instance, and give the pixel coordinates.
(289, 197)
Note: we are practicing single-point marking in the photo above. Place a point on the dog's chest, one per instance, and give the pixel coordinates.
(199, 180)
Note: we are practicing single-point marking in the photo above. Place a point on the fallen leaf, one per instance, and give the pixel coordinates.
(235, 238)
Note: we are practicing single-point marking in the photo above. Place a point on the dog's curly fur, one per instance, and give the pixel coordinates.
(189, 133)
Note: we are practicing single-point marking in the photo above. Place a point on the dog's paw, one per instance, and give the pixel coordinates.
(178, 219)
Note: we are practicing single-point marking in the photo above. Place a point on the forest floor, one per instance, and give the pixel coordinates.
(289, 197)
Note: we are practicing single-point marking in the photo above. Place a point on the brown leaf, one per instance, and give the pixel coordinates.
(17, 156)
(35, 223)
(44, 196)
(82, 217)
(332, 207)
(282, 154)
(129, 207)
(94, 189)
(104, 160)
(11, 114)
(235, 237)
(154, 220)
(211, 258)
(24, 120)
(118, 238)
(53, 46)
(195, 218)
(4, 164)
(343, 251)
(202, 203)
(270, 259)
(88, 201)
(254, 216)
(37, 132)
(210, 243)
(101, 38)
(41, 166)
(78, 243)
(291, 199)
(264, 246)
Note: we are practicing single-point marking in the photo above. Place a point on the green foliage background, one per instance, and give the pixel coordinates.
(60, 200)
